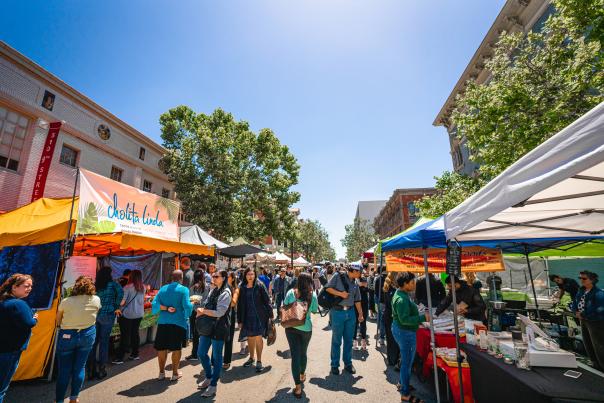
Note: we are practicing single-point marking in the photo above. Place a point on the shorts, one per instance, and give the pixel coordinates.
(170, 337)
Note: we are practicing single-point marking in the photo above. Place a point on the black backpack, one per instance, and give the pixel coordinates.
(327, 300)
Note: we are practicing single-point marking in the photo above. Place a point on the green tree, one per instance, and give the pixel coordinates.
(313, 240)
(539, 84)
(229, 179)
(359, 237)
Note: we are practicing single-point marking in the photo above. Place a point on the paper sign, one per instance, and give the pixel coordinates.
(107, 206)
(77, 266)
(473, 259)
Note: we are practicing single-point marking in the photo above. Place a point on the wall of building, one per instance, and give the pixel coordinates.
(399, 213)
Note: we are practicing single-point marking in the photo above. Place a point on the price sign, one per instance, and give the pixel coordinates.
(454, 259)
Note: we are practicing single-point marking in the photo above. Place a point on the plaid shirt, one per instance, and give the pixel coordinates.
(111, 298)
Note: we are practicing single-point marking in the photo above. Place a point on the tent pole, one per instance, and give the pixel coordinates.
(432, 341)
(528, 263)
(456, 326)
(549, 287)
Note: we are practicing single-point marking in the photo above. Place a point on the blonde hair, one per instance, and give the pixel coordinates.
(390, 281)
(297, 272)
(470, 277)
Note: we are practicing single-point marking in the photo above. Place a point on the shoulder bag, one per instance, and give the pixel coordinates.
(294, 314)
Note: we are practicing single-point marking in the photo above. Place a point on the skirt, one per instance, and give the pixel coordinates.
(170, 337)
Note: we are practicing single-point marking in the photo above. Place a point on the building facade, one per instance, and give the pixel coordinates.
(369, 210)
(515, 16)
(400, 212)
(90, 137)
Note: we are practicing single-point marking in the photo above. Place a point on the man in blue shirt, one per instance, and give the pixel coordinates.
(174, 308)
(279, 288)
(264, 278)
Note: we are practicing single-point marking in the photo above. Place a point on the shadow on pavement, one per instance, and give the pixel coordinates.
(239, 373)
(286, 395)
(196, 397)
(360, 355)
(284, 354)
(149, 387)
(339, 383)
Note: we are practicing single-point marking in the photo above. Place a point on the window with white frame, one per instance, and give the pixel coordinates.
(13, 128)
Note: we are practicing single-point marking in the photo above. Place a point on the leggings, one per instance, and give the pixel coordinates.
(228, 344)
(360, 329)
(298, 345)
(593, 339)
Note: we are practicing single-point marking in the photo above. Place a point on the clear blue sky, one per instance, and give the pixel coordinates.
(351, 86)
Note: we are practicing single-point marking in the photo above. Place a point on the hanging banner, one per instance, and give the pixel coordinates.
(107, 206)
(473, 259)
(45, 158)
(77, 266)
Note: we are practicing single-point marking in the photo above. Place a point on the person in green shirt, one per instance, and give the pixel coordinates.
(298, 337)
(405, 322)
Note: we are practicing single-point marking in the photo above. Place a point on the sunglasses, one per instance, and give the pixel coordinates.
(583, 278)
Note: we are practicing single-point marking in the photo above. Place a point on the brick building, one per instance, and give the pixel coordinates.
(399, 212)
(90, 137)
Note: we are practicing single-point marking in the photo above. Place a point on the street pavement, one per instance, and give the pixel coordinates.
(135, 381)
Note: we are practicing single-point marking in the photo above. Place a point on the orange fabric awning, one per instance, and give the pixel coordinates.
(130, 244)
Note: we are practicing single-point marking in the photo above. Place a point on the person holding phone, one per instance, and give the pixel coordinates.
(17, 316)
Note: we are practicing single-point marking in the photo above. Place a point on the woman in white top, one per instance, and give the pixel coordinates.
(76, 318)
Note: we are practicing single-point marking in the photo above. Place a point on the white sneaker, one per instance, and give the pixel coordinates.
(355, 345)
(161, 376)
(210, 391)
(364, 345)
(203, 384)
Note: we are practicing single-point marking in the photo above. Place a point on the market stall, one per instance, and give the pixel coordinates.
(301, 262)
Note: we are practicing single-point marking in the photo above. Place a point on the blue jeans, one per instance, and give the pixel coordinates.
(73, 348)
(342, 327)
(212, 368)
(104, 325)
(8, 366)
(380, 321)
(406, 343)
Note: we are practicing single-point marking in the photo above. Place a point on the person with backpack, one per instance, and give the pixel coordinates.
(343, 320)
(218, 308)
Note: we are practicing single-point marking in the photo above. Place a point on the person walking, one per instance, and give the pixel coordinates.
(406, 320)
(264, 278)
(371, 288)
(110, 294)
(343, 319)
(360, 329)
(174, 308)
(589, 309)
(76, 318)
(228, 345)
(279, 288)
(132, 310)
(393, 353)
(198, 294)
(381, 306)
(253, 314)
(17, 316)
(298, 337)
(218, 307)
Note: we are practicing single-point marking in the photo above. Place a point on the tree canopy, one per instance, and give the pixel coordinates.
(359, 237)
(313, 240)
(229, 179)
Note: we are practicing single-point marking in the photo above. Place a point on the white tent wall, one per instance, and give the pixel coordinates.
(516, 275)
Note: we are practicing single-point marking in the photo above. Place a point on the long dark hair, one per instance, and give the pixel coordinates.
(103, 278)
(305, 287)
(225, 275)
(199, 280)
(6, 289)
(136, 279)
(246, 271)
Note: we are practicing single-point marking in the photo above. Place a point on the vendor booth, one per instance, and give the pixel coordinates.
(139, 226)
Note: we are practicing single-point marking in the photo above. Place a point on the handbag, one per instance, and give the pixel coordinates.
(272, 333)
(205, 325)
(294, 314)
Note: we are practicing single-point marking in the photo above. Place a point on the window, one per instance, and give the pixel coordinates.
(141, 154)
(116, 173)
(147, 186)
(69, 156)
(412, 209)
(165, 193)
(13, 128)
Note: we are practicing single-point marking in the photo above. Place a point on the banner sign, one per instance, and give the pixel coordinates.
(453, 259)
(45, 158)
(107, 206)
(77, 266)
(473, 259)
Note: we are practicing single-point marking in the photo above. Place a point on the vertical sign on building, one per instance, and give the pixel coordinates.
(45, 159)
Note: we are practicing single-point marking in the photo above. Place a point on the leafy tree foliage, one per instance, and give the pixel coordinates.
(359, 237)
(229, 179)
(452, 188)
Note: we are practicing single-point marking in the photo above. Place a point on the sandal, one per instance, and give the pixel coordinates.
(226, 366)
(297, 395)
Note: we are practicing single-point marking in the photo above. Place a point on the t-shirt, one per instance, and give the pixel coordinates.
(79, 312)
(354, 294)
(314, 308)
(265, 280)
(134, 301)
(176, 296)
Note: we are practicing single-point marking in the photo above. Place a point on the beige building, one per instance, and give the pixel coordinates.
(515, 16)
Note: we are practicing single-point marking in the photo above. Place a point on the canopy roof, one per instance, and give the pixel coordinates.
(420, 221)
(131, 244)
(300, 261)
(280, 257)
(427, 234)
(195, 235)
(238, 251)
(554, 193)
(43, 221)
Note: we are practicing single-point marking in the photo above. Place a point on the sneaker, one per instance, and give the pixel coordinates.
(161, 376)
(175, 377)
(335, 371)
(355, 345)
(203, 384)
(364, 345)
(192, 357)
(248, 363)
(117, 361)
(134, 357)
(350, 369)
(210, 392)
(243, 351)
(381, 343)
(259, 367)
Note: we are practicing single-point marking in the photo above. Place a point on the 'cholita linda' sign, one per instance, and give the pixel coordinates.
(107, 206)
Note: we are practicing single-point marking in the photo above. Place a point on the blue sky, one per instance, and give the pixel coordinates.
(351, 86)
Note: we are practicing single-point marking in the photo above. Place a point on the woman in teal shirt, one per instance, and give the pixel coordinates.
(299, 337)
(405, 321)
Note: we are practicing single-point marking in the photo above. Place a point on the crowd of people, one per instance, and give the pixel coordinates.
(206, 306)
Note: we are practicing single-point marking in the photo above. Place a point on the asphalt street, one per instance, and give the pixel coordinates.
(135, 381)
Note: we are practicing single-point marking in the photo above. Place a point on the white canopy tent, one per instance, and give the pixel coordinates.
(279, 257)
(300, 261)
(554, 191)
(195, 235)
